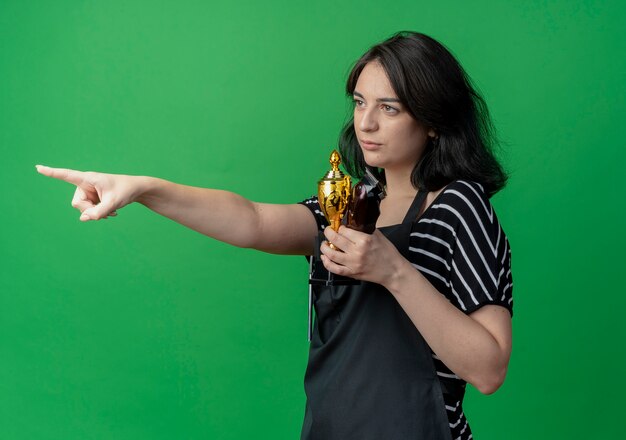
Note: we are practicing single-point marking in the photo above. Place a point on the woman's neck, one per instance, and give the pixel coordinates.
(398, 183)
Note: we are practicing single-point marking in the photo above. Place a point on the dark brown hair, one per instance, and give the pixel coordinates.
(437, 92)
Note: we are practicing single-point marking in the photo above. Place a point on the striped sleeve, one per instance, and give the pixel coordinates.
(481, 256)
(314, 207)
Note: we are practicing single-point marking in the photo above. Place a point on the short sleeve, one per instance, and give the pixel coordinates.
(314, 207)
(480, 254)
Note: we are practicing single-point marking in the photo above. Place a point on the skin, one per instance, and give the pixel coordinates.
(476, 347)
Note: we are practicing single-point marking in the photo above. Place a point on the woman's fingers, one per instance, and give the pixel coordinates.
(90, 210)
(101, 210)
(354, 236)
(94, 196)
(70, 176)
(334, 267)
(90, 206)
(367, 257)
(81, 201)
(333, 254)
(338, 240)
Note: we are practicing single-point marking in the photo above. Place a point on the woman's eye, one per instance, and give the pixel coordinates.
(386, 108)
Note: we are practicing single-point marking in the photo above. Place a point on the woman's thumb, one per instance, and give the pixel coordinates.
(97, 212)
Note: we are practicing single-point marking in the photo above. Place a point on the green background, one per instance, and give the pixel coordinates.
(138, 328)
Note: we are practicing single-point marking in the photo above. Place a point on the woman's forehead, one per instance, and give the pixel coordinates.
(373, 82)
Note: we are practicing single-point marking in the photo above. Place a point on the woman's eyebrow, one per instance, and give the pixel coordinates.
(379, 99)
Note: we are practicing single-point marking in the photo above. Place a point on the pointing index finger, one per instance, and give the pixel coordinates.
(67, 175)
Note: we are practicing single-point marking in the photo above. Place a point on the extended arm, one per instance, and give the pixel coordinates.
(225, 216)
(231, 218)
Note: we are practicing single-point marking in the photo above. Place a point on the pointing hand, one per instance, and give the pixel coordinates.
(97, 195)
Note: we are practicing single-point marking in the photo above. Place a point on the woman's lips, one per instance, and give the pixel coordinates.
(370, 145)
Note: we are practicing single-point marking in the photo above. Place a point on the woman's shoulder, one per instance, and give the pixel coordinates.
(470, 253)
(464, 196)
(467, 191)
(464, 204)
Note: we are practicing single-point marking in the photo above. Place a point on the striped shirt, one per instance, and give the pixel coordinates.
(460, 247)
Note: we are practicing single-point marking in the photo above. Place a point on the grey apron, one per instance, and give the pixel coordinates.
(370, 374)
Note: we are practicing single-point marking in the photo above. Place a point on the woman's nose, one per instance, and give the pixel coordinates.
(368, 121)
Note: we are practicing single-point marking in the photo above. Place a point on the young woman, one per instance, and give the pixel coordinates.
(390, 357)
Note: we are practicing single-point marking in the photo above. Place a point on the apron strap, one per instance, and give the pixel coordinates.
(414, 210)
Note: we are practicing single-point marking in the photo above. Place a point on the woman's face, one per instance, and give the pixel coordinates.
(379, 117)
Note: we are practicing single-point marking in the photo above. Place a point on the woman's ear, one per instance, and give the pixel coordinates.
(432, 134)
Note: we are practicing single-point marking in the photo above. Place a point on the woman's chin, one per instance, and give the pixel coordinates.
(371, 158)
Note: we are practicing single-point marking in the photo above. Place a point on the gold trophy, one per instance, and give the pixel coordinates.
(333, 193)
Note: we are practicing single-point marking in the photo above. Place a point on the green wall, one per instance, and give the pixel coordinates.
(137, 328)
